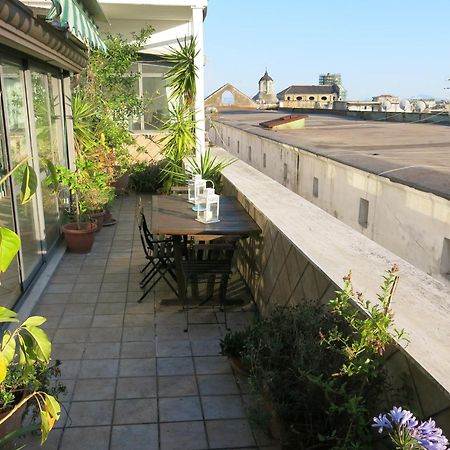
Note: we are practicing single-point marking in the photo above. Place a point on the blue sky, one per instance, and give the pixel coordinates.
(399, 47)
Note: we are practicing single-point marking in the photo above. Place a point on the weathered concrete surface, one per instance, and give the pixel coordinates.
(413, 223)
(417, 155)
(304, 253)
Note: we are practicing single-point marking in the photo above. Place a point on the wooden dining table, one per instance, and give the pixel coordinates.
(173, 215)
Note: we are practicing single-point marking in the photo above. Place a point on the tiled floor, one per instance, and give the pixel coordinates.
(135, 380)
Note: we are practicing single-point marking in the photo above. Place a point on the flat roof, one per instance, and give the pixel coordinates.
(414, 154)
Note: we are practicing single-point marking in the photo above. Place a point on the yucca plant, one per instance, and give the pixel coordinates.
(178, 143)
(83, 117)
(209, 167)
(182, 76)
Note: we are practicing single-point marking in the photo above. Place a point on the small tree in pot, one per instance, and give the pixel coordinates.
(79, 233)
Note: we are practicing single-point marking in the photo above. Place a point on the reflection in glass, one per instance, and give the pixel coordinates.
(49, 139)
(9, 281)
(19, 148)
(152, 88)
(155, 102)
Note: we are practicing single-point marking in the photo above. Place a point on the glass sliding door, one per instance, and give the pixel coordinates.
(48, 131)
(10, 280)
(19, 148)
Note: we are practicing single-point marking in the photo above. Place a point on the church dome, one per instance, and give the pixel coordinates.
(266, 77)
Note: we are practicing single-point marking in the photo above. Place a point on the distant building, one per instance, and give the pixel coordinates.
(228, 96)
(266, 93)
(389, 103)
(328, 79)
(357, 106)
(319, 97)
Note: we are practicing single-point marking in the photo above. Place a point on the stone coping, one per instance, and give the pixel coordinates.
(421, 303)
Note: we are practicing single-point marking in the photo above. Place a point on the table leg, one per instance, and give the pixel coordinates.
(178, 256)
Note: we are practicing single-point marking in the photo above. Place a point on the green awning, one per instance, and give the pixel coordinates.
(73, 16)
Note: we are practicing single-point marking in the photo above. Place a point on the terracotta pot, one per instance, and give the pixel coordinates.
(121, 184)
(79, 240)
(99, 217)
(14, 422)
(275, 426)
(108, 219)
(239, 366)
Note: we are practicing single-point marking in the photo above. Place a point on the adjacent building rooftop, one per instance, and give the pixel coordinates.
(414, 154)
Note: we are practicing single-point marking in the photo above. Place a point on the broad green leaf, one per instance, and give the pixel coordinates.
(29, 349)
(34, 321)
(8, 347)
(6, 315)
(22, 351)
(53, 408)
(3, 367)
(9, 246)
(45, 425)
(52, 179)
(29, 184)
(43, 346)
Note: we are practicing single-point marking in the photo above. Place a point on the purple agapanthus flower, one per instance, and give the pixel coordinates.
(430, 436)
(382, 422)
(427, 434)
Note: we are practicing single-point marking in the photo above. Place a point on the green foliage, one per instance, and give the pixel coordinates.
(24, 352)
(147, 176)
(233, 344)
(29, 184)
(25, 373)
(178, 143)
(9, 246)
(368, 334)
(107, 90)
(10, 241)
(210, 167)
(320, 368)
(180, 140)
(84, 122)
(77, 182)
(182, 76)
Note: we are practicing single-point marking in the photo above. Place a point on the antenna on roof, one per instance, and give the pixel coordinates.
(405, 104)
(420, 106)
(386, 105)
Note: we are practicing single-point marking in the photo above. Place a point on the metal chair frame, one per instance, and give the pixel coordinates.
(159, 253)
(205, 262)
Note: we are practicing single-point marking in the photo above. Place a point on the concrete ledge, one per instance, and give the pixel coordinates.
(421, 304)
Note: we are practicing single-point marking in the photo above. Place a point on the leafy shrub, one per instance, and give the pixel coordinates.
(147, 177)
(320, 369)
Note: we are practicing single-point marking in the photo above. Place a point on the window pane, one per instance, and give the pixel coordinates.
(50, 144)
(135, 122)
(19, 147)
(155, 96)
(10, 282)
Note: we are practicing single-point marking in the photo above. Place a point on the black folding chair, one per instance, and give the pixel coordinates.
(158, 251)
(204, 263)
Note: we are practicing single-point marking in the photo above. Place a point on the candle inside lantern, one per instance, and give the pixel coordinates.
(208, 207)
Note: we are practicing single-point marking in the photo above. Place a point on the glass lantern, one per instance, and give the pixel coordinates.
(208, 207)
(195, 186)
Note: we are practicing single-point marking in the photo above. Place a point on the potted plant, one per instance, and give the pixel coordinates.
(96, 200)
(79, 233)
(25, 351)
(25, 374)
(233, 346)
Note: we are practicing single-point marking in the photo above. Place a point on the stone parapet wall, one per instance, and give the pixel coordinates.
(284, 266)
(410, 222)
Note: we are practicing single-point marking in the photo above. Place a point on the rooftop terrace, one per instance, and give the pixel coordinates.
(414, 154)
(135, 380)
